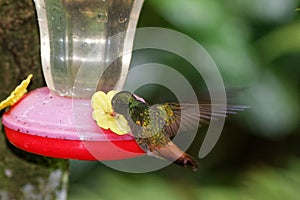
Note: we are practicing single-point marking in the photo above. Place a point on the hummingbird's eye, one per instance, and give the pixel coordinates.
(116, 101)
(113, 101)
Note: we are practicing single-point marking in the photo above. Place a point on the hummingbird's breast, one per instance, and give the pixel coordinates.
(151, 120)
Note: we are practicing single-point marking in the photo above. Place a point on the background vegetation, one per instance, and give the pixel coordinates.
(256, 45)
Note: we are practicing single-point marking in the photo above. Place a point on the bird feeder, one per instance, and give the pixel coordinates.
(82, 49)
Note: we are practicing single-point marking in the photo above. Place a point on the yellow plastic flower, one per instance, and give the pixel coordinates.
(17, 94)
(104, 115)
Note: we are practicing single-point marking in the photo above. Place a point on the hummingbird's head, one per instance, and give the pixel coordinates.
(120, 102)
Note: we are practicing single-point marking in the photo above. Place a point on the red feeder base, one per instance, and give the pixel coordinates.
(61, 127)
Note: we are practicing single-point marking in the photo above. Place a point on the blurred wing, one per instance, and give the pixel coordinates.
(191, 116)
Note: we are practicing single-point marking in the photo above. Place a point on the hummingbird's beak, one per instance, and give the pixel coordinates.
(113, 114)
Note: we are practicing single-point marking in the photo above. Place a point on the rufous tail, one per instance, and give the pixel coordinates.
(173, 153)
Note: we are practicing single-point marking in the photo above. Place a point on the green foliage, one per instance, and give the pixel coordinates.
(256, 46)
(259, 183)
(252, 43)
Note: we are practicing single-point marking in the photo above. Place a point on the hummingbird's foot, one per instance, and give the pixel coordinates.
(187, 161)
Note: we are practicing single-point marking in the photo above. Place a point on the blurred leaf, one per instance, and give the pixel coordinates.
(276, 11)
(274, 110)
(282, 41)
(112, 185)
(224, 35)
(192, 14)
(274, 183)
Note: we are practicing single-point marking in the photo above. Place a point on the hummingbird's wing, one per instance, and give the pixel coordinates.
(190, 116)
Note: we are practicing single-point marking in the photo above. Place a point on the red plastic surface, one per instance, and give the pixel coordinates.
(47, 124)
(74, 149)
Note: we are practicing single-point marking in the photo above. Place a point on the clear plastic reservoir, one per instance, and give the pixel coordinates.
(83, 42)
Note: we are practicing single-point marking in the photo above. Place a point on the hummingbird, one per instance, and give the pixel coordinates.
(154, 126)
